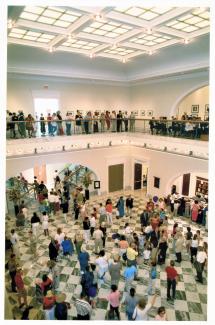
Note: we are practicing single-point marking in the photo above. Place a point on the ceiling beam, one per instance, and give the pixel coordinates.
(12, 40)
(40, 26)
(72, 28)
(171, 31)
(168, 16)
(136, 46)
(165, 44)
(128, 20)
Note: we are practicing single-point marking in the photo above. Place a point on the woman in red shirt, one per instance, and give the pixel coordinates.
(22, 293)
(49, 305)
(109, 210)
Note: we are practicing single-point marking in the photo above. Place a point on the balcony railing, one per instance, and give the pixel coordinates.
(190, 129)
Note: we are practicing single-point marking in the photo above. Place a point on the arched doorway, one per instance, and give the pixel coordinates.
(197, 95)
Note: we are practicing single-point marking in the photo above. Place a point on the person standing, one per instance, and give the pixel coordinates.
(114, 270)
(120, 207)
(195, 211)
(152, 279)
(119, 122)
(86, 227)
(61, 307)
(83, 258)
(42, 125)
(102, 263)
(49, 305)
(83, 308)
(140, 312)
(132, 122)
(12, 271)
(129, 274)
(14, 239)
(193, 247)
(22, 293)
(98, 235)
(109, 210)
(131, 303)
(129, 205)
(45, 223)
(35, 222)
(78, 241)
(113, 121)
(179, 247)
(172, 279)
(201, 258)
(114, 300)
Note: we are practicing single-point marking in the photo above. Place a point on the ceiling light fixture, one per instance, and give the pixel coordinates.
(149, 31)
(51, 49)
(186, 41)
(92, 55)
(124, 60)
(150, 52)
(10, 24)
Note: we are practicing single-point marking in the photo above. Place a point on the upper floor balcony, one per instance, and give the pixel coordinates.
(172, 136)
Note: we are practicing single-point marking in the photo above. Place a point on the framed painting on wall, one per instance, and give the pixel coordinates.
(143, 112)
(195, 109)
(96, 184)
(136, 112)
(207, 109)
(150, 112)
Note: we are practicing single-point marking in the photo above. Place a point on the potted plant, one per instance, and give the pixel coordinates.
(86, 181)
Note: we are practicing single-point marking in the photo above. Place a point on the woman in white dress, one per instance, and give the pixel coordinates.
(45, 223)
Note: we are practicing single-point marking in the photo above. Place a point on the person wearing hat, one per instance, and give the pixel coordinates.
(49, 305)
(61, 307)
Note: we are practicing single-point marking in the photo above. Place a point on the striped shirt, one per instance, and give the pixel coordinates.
(83, 307)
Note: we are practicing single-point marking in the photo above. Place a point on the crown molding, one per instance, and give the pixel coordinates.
(201, 69)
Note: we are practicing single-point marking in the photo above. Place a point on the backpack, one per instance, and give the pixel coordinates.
(124, 257)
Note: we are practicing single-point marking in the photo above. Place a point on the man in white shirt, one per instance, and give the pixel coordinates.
(14, 239)
(51, 198)
(98, 235)
(199, 264)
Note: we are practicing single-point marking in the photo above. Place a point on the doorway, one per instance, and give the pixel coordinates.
(137, 176)
(116, 173)
(45, 106)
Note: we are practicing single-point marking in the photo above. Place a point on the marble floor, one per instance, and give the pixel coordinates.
(191, 296)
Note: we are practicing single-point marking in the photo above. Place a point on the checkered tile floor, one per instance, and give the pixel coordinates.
(191, 296)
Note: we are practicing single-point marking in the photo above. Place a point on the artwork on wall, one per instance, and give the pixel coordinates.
(81, 111)
(150, 112)
(71, 113)
(207, 108)
(136, 112)
(195, 109)
(96, 184)
(143, 112)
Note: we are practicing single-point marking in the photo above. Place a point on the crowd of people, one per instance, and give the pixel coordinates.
(148, 246)
(18, 125)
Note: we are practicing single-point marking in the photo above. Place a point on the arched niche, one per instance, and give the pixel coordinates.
(197, 95)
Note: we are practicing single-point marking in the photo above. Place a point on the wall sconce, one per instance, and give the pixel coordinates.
(63, 148)
(165, 149)
(110, 143)
(190, 153)
(144, 145)
(35, 150)
(88, 146)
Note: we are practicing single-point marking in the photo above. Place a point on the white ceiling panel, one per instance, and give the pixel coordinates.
(98, 29)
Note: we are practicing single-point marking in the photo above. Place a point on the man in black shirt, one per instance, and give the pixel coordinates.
(129, 205)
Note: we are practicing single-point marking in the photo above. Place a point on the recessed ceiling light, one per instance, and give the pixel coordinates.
(10, 24)
(51, 49)
(150, 52)
(92, 55)
(186, 41)
(124, 60)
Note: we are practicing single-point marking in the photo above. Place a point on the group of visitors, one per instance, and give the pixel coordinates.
(53, 124)
(131, 249)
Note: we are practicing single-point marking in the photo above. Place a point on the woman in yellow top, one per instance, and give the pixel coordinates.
(132, 254)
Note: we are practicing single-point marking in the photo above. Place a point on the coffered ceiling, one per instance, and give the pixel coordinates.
(116, 33)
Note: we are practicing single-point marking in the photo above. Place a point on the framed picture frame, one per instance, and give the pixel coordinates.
(195, 109)
(71, 113)
(150, 112)
(136, 112)
(143, 113)
(96, 185)
(206, 109)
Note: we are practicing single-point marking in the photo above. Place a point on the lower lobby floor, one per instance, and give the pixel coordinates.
(191, 296)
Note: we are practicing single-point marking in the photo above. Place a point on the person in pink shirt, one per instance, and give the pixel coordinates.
(114, 300)
(161, 314)
(195, 211)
